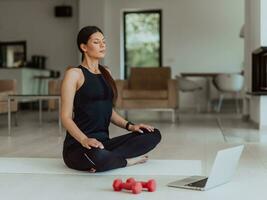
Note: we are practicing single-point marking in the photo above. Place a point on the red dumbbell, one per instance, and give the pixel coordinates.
(130, 180)
(135, 187)
(150, 185)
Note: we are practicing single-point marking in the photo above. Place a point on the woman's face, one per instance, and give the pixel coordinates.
(96, 46)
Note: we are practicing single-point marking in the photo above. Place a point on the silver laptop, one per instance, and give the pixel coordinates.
(222, 171)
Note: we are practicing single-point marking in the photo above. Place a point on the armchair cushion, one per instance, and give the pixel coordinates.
(4, 95)
(151, 78)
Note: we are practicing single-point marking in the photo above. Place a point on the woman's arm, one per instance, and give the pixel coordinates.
(68, 90)
(119, 121)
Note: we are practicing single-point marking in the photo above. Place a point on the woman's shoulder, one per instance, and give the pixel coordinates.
(74, 72)
(73, 68)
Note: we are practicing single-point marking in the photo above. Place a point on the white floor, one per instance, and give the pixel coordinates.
(194, 137)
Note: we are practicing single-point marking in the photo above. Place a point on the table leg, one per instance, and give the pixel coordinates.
(40, 112)
(39, 86)
(9, 115)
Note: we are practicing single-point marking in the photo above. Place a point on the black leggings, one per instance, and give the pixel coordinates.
(115, 153)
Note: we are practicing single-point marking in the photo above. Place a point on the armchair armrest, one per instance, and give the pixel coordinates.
(173, 93)
(121, 85)
(4, 94)
(54, 87)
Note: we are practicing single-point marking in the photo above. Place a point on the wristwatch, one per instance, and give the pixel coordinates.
(128, 124)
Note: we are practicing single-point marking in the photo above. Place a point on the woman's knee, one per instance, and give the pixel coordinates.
(156, 133)
(97, 157)
(104, 160)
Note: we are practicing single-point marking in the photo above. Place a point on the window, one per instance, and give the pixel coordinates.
(142, 39)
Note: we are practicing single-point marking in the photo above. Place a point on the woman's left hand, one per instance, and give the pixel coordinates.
(139, 127)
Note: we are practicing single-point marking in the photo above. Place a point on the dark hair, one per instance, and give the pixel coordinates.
(82, 38)
(85, 33)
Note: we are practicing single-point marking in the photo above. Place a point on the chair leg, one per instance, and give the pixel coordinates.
(220, 103)
(16, 118)
(173, 115)
(237, 103)
(177, 114)
(160, 114)
(197, 106)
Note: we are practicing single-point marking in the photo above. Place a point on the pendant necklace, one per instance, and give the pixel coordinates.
(93, 68)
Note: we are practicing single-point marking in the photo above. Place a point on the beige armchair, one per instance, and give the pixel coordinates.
(148, 88)
(54, 87)
(7, 87)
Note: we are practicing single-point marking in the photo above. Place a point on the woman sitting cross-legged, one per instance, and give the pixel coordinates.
(88, 93)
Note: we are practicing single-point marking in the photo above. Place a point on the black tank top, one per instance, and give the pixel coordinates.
(92, 107)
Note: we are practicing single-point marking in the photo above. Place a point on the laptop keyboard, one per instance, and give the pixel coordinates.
(200, 183)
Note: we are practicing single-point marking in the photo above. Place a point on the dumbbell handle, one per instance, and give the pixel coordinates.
(143, 183)
(127, 186)
(150, 184)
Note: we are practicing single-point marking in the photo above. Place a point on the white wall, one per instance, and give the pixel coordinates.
(255, 37)
(91, 13)
(252, 35)
(34, 21)
(255, 32)
(198, 36)
(264, 23)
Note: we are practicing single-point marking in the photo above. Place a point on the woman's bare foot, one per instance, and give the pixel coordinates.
(92, 170)
(137, 160)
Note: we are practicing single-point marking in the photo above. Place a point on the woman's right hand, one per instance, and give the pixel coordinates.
(91, 142)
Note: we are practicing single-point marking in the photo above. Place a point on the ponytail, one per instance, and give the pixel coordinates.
(111, 82)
